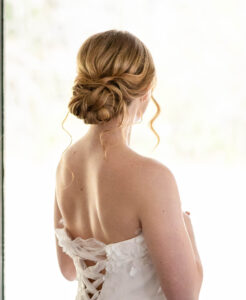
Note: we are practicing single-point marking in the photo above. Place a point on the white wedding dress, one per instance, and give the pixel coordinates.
(129, 271)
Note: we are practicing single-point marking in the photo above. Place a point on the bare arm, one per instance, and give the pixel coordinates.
(167, 237)
(65, 262)
(190, 231)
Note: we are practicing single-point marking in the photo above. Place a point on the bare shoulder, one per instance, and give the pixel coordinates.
(157, 168)
(154, 183)
(68, 155)
(157, 191)
(65, 163)
(161, 179)
(155, 175)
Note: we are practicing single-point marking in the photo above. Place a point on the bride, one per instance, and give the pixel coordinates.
(119, 225)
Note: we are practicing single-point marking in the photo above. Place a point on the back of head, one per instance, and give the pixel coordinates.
(113, 68)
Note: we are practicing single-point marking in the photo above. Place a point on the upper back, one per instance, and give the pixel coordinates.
(100, 199)
(110, 200)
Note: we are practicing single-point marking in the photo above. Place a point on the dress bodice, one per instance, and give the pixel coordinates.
(129, 271)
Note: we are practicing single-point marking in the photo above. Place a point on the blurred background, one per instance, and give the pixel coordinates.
(199, 51)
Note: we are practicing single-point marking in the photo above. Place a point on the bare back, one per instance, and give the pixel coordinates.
(101, 200)
(113, 200)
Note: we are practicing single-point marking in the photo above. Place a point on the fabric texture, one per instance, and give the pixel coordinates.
(129, 271)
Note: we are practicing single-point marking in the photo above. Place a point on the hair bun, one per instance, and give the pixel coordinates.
(114, 68)
(94, 101)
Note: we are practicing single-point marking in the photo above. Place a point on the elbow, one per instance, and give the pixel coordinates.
(70, 276)
(69, 273)
(199, 280)
(186, 288)
(200, 271)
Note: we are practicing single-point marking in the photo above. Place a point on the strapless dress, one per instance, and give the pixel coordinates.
(129, 271)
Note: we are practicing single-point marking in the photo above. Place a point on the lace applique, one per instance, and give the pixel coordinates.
(131, 254)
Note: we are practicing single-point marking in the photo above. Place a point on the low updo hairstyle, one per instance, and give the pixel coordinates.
(113, 68)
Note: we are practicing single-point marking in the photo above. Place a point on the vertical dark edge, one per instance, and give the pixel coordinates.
(2, 147)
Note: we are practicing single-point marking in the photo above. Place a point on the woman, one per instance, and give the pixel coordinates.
(118, 220)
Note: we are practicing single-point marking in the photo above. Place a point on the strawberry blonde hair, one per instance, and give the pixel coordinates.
(113, 68)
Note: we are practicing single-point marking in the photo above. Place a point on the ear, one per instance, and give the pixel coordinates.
(147, 95)
(144, 97)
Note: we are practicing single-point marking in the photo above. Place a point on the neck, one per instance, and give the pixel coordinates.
(116, 135)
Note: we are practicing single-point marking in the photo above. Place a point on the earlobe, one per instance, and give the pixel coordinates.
(144, 98)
